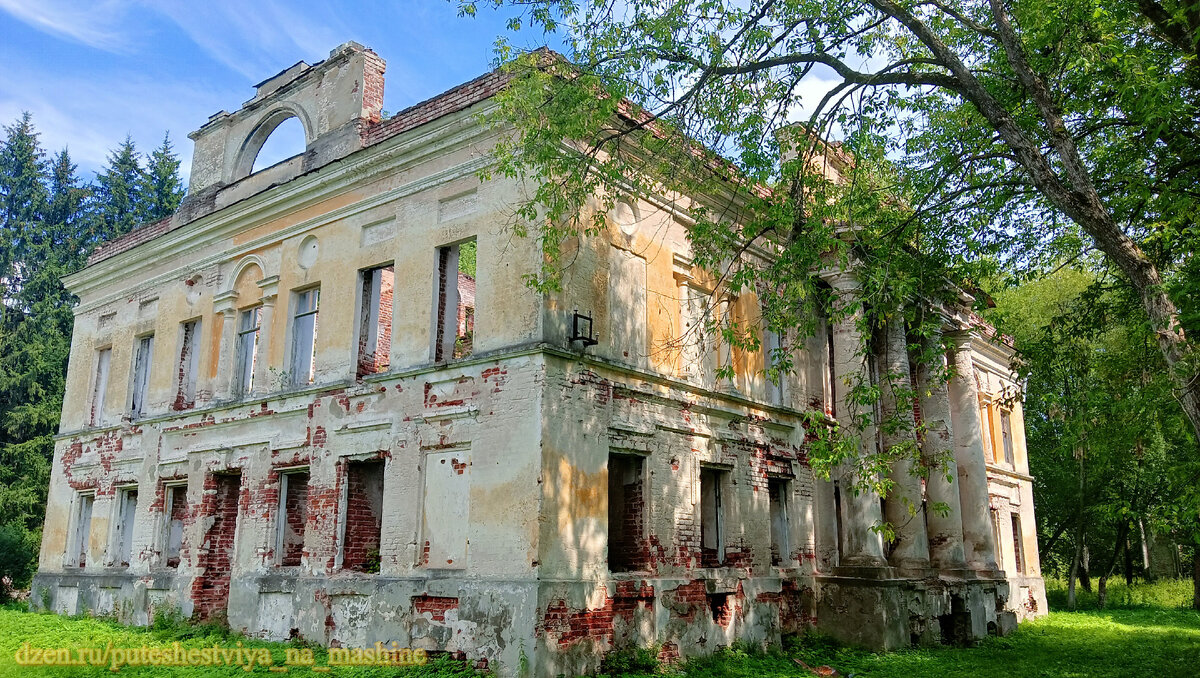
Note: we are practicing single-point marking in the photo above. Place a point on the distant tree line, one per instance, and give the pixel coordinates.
(50, 220)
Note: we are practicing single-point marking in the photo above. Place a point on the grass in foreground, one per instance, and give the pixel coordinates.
(1146, 633)
(18, 627)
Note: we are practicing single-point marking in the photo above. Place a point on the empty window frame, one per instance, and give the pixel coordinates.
(143, 359)
(125, 512)
(375, 320)
(776, 379)
(830, 376)
(777, 492)
(454, 301)
(292, 518)
(985, 419)
(712, 517)
(77, 549)
(1018, 551)
(175, 509)
(304, 336)
(626, 511)
(362, 524)
(188, 366)
(1006, 437)
(100, 387)
(249, 327)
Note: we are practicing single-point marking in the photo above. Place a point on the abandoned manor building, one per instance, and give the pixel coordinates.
(320, 401)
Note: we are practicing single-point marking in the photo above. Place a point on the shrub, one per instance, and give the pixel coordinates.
(632, 660)
(18, 556)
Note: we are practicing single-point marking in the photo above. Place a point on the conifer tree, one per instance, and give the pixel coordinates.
(161, 188)
(118, 193)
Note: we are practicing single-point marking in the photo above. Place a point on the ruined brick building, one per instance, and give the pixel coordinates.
(295, 405)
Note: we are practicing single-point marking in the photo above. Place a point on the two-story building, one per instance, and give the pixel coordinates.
(320, 401)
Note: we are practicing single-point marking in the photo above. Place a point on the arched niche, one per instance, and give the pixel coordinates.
(244, 281)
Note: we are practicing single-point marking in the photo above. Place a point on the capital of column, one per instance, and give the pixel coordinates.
(841, 280)
(225, 303)
(270, 290)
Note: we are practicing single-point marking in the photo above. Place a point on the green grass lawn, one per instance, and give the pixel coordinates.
(1148, 633)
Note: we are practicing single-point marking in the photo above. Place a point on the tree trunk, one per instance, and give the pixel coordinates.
(1128, 561)
(1147, 573)
(1075, 565)
(1085, 565)
(1119, 544)
(1066, 183)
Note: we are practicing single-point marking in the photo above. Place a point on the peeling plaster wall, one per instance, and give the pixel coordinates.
(494, 513)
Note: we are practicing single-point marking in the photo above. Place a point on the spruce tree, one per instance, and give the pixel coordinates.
(22, 199)
(35, 331)
(161, 188)
(118, 193)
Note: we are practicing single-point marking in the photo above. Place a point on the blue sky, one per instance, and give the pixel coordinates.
(93, 71)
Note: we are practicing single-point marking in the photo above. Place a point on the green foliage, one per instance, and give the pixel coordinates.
(1100, 409)
(160, 187)
(45, 630)
(1166, 594)
(976, 141)
(49, 222)
(632, 660)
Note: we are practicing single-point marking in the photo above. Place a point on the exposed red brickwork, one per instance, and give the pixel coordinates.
(295, 518)
(376, 357)
(627, 549)
(185, 397)
(177, 515)
(436, 606)
(364, 520)
(451, 101)
(796, 606)
(669, 653)
(210, 592)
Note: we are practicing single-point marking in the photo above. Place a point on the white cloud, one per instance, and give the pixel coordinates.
(100, 112)
(99, 24)
(256, 39)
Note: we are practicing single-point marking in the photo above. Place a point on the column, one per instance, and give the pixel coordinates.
(937, 453)
(262, 367)
(978, 541)
(225, 304)
(904, 509)
(862, 547)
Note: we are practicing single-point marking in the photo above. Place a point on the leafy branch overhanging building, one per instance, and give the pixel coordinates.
(319, 401)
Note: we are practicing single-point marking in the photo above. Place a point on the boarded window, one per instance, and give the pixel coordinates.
(712, 518)
(176, 510)
(304, 337)
(1006, 436)
(78, 549)
(626, 508)
(249, 325)
(446, 514)
(143, 359)
(454, 301)
(100, 388)
(125, 512)
(777, 491)
(187, 369)
(293, 516)
(375, 320)
(1018, 544)
(627, 305)
(363, 525)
